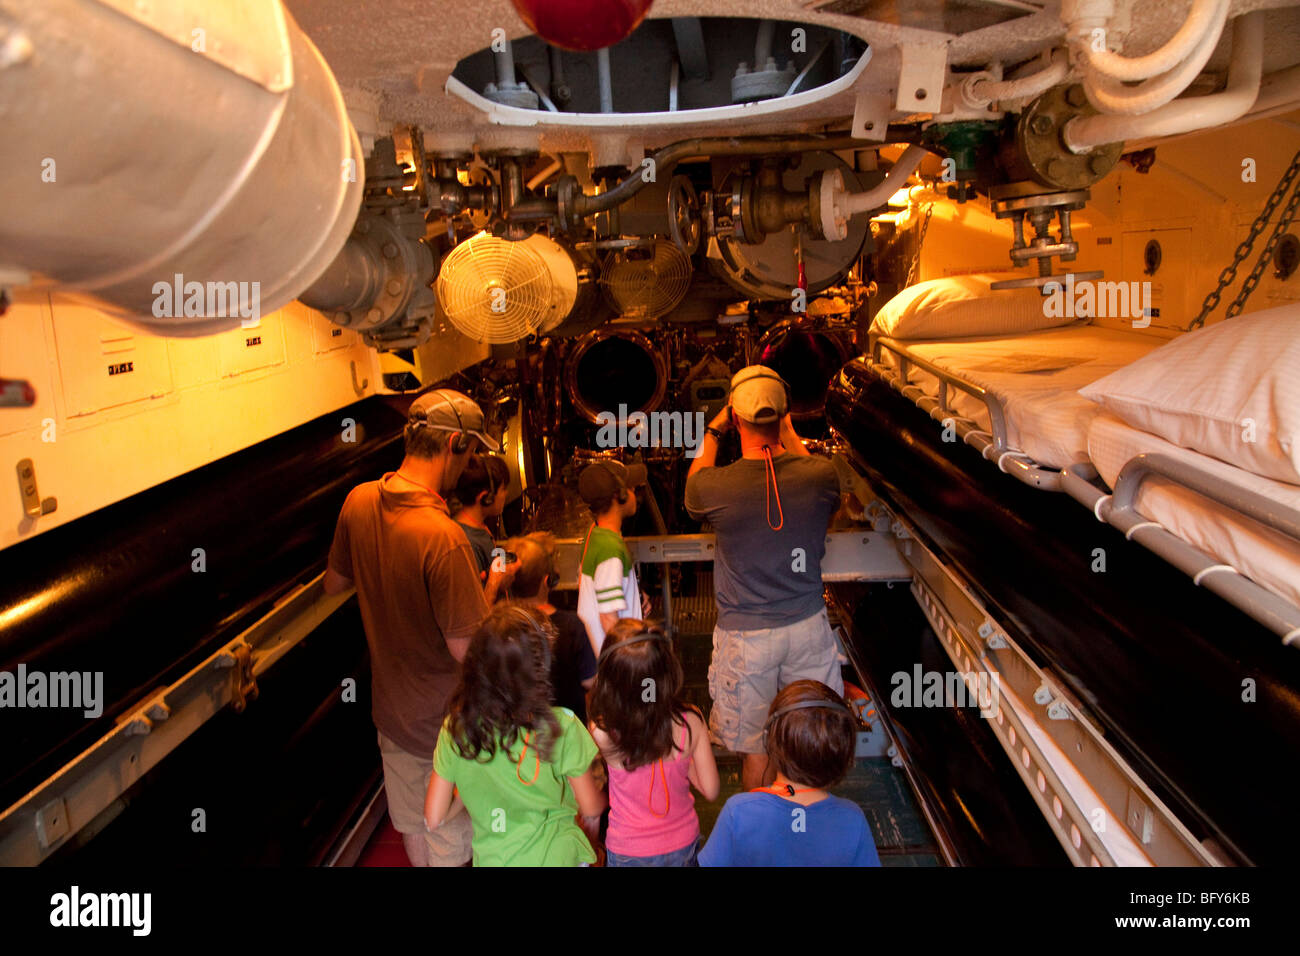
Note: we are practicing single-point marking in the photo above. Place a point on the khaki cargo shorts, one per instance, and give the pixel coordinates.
(749, 667)
(406, 780)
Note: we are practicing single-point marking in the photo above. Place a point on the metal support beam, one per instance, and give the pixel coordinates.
(47, 817)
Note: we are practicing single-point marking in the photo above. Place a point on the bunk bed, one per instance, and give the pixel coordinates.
(1095, 667)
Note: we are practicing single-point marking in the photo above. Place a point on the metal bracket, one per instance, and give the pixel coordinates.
(870, 117)
(33, 505)
(244, 686)
(920, 78)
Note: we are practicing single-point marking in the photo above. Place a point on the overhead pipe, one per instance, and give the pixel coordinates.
(1084, 133)
(763, 42)
(1111, 96)
(1201, 20)
(585, 205)
(606, 80)
(139, 153)
(981, 89)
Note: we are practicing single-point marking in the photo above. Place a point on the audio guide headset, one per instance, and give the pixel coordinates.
(651, 634)
(770, 487)
(804, 705)
(753, 372)
(461, 443)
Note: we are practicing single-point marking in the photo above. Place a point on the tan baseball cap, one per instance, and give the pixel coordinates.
(759, 395)
(448, 410)
(603, 479)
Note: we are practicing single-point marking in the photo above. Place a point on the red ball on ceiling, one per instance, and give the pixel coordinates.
(582, 24)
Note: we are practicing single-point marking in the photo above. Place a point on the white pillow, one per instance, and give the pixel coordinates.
(1231, 391)
(960, 306)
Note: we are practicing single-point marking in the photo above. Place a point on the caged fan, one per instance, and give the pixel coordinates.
(497, 291)
(646, 283)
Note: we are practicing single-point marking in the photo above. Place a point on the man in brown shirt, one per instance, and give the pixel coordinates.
(421, 601)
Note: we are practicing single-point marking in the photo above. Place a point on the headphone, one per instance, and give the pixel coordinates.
(653, 634)
(804, 705)
(461, 443)
(760, 371)
(492, 487)
(536, 629)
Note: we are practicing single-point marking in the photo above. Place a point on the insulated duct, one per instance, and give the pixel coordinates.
(185, 154)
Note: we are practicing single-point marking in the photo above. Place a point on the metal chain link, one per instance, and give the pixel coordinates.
(916, 259)
(1252, 280)
(1229, 274)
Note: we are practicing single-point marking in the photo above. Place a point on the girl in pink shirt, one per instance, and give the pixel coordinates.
(655, 745)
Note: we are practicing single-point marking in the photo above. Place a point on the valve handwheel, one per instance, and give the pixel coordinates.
(684, 215)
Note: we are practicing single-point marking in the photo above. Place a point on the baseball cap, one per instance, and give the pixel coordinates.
(758, 394)
(448, 410)
(602, 479)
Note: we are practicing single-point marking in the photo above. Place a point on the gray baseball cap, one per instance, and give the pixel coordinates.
(759, 394)
(448, 410)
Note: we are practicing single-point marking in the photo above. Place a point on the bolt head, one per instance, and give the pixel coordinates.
(742, 68)
(1075, 95)
(394, 286)
(1098, 164)
(390, 248)
(1041, 124)
(1058, 168)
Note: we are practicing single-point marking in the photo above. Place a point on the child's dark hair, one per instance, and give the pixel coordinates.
(505, 685)
(813, 745)
(638, 716)
(483, 474)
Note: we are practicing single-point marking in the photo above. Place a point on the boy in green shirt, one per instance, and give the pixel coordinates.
(607, 584)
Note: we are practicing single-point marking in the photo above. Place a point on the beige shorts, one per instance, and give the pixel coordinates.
(749, 667)
(406, 780)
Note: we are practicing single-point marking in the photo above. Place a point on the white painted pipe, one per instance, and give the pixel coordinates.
(836, 205)
(1111, 96)
(1191, 113)
(879, 194)
(188, 138)
(1200, 20)
(980, 90)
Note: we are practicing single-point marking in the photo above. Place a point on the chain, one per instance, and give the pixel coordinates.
(1229, 274)
(916, 259)
(1252, 280)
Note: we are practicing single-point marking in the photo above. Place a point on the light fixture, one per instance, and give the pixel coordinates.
(582, 24)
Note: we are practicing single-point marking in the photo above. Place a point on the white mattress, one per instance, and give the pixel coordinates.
(1036, 375)
(1262, 554)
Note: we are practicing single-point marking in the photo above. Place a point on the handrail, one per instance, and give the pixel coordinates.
(1119, 510)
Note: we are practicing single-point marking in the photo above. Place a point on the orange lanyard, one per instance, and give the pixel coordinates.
(789, 790)
(767, 500)
(418, 484)
(537, 769)
(668, 797)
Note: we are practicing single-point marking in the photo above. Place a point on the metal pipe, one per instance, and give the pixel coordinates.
(1111, 96)
(606, 82)
(157, 194)
(763, 42)
(1200, 20)
(878, 195)
(979, 91)
(730, 146)
(545, 174)
(505, 64)
(560, 91)
(1192, 113)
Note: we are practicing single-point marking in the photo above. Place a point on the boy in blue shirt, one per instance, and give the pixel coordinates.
(810, 739)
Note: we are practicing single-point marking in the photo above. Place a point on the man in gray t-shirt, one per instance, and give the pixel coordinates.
(770, 511)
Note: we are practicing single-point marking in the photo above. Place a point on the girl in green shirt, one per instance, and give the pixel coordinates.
(520, 767)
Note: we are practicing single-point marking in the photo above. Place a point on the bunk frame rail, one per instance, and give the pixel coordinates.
(1117, 508)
